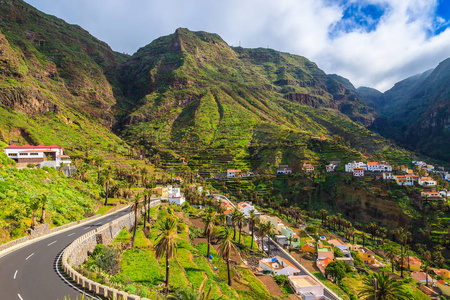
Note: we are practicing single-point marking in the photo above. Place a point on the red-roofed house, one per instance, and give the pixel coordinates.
(233, 173)
(444, 287)
(308, 168)
(422, 277)
(37, 154)
(322, 264)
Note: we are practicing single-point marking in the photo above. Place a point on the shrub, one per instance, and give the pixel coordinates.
(106, 258)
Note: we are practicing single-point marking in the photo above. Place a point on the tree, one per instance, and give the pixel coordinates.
(240, 222)
(427, 256)
(234, 216)
(390, 254)
(209, 219)
(253, 219)
(387, 288)
(335, 270)
(108, 182)
(226, 245)
(43, 200)
(34, 206)
(165, 245)
(98, 162)
(192, 294)
(135, 208)
(290, 239)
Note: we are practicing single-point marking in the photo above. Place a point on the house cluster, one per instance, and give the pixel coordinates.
(233, 173)
(358, 168)
(169, 193)
(50, 156)
(304, 286)
(438, 170)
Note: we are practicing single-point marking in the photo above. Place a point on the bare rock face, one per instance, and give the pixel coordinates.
(9, 65)
(26, 99)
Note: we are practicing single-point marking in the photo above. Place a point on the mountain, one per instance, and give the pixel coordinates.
(197, 96)
(416, 112)
(57, 82)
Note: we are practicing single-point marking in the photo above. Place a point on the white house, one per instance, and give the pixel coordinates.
(358, 172)
(388, 176)
(408, 179)
(341, 246)
(446, 176)
(284, 171)
(427, 181)
(374, 166)
(176, 196)
(308, 168)
(278, 266)
(37, 154)
(289, 232)
(307, 287)
(330, 168)
(246, 207)
(351, 165)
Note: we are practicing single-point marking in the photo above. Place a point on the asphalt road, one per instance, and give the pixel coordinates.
(29, 273)
(276, 250)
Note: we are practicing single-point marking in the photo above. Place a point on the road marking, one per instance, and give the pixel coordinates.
(87, 228)
(29, 256)
(51, 243)
(70, 284)
(71, 234)
(20, 297)
(108, 219)
(15, 274)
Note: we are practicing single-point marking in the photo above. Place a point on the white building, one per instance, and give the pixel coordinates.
(351, 165)
(37, 154)
(176, 196)
(427, 181)
(278, 266)
(284, 171)
(246, 207)
(307, 287)
(374, 166)
(330, 168)
(308, 168)
(388, 176)
(358, 172)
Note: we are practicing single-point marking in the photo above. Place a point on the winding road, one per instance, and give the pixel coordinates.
(32, 272)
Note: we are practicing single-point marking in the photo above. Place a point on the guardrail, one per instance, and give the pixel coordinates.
(77, 252)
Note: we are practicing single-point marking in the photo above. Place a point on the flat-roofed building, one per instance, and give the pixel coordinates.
(307, 287)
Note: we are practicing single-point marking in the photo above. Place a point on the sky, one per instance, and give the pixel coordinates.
(373, 43)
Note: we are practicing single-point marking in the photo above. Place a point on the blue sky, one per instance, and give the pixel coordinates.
(373, 43)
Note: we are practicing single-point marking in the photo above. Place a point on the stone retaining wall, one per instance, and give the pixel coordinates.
(77, 252)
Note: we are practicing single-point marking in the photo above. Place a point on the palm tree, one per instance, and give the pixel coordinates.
(108, 181)
(268, 231)
(43, 200)
(135, 208)
(240, 218)
(290, 240)
(226, 245)
(253, 219)
(390, 253)
(387, 288)
(34, 206)
(165, 245)
(209, 218)
(98, 162)
(427, 256)
(234, 216)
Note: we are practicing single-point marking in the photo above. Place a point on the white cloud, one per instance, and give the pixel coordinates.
(400, 46)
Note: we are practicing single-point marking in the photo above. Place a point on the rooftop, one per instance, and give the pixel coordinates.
(303, 281)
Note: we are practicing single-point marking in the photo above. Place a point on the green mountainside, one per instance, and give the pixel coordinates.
(416, 112)
(57, 82)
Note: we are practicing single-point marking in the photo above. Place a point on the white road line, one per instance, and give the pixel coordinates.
(63, 278)
(51, 243)
(87, 228)
(29, 256)
(15, 274)
(71, 234)
(108, 219)
(20, 297)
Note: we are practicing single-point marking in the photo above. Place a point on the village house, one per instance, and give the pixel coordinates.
(358, 172)
(276, 222)
(308, 168)
(330, 168)
(341, 246)
(38, 154)
(283, 170)
(427, 181)
(288, 232)
(307, 287)
(320, 137)
(446, 176)
(246, 207)
(324, 251)
(388, 176)
(367, 256)
(322, 264)
(420, 163)
(231, 173)
(431, 194)
(161, 191)
(429, 168)
(175, 196)
(444, 287)
(422, 277)
(414, 263)
(309, 248)
(352, 165)
(278, 266)
(377, 167)
(408, 179)
(445, 273)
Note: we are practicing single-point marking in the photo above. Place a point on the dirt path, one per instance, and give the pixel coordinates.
(271, 285)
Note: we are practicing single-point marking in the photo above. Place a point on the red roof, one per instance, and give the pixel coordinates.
(371, 163)
(14, 146)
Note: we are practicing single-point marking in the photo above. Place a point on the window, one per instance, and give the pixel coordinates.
(23, 154)
(34, 154)
(12, 154)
